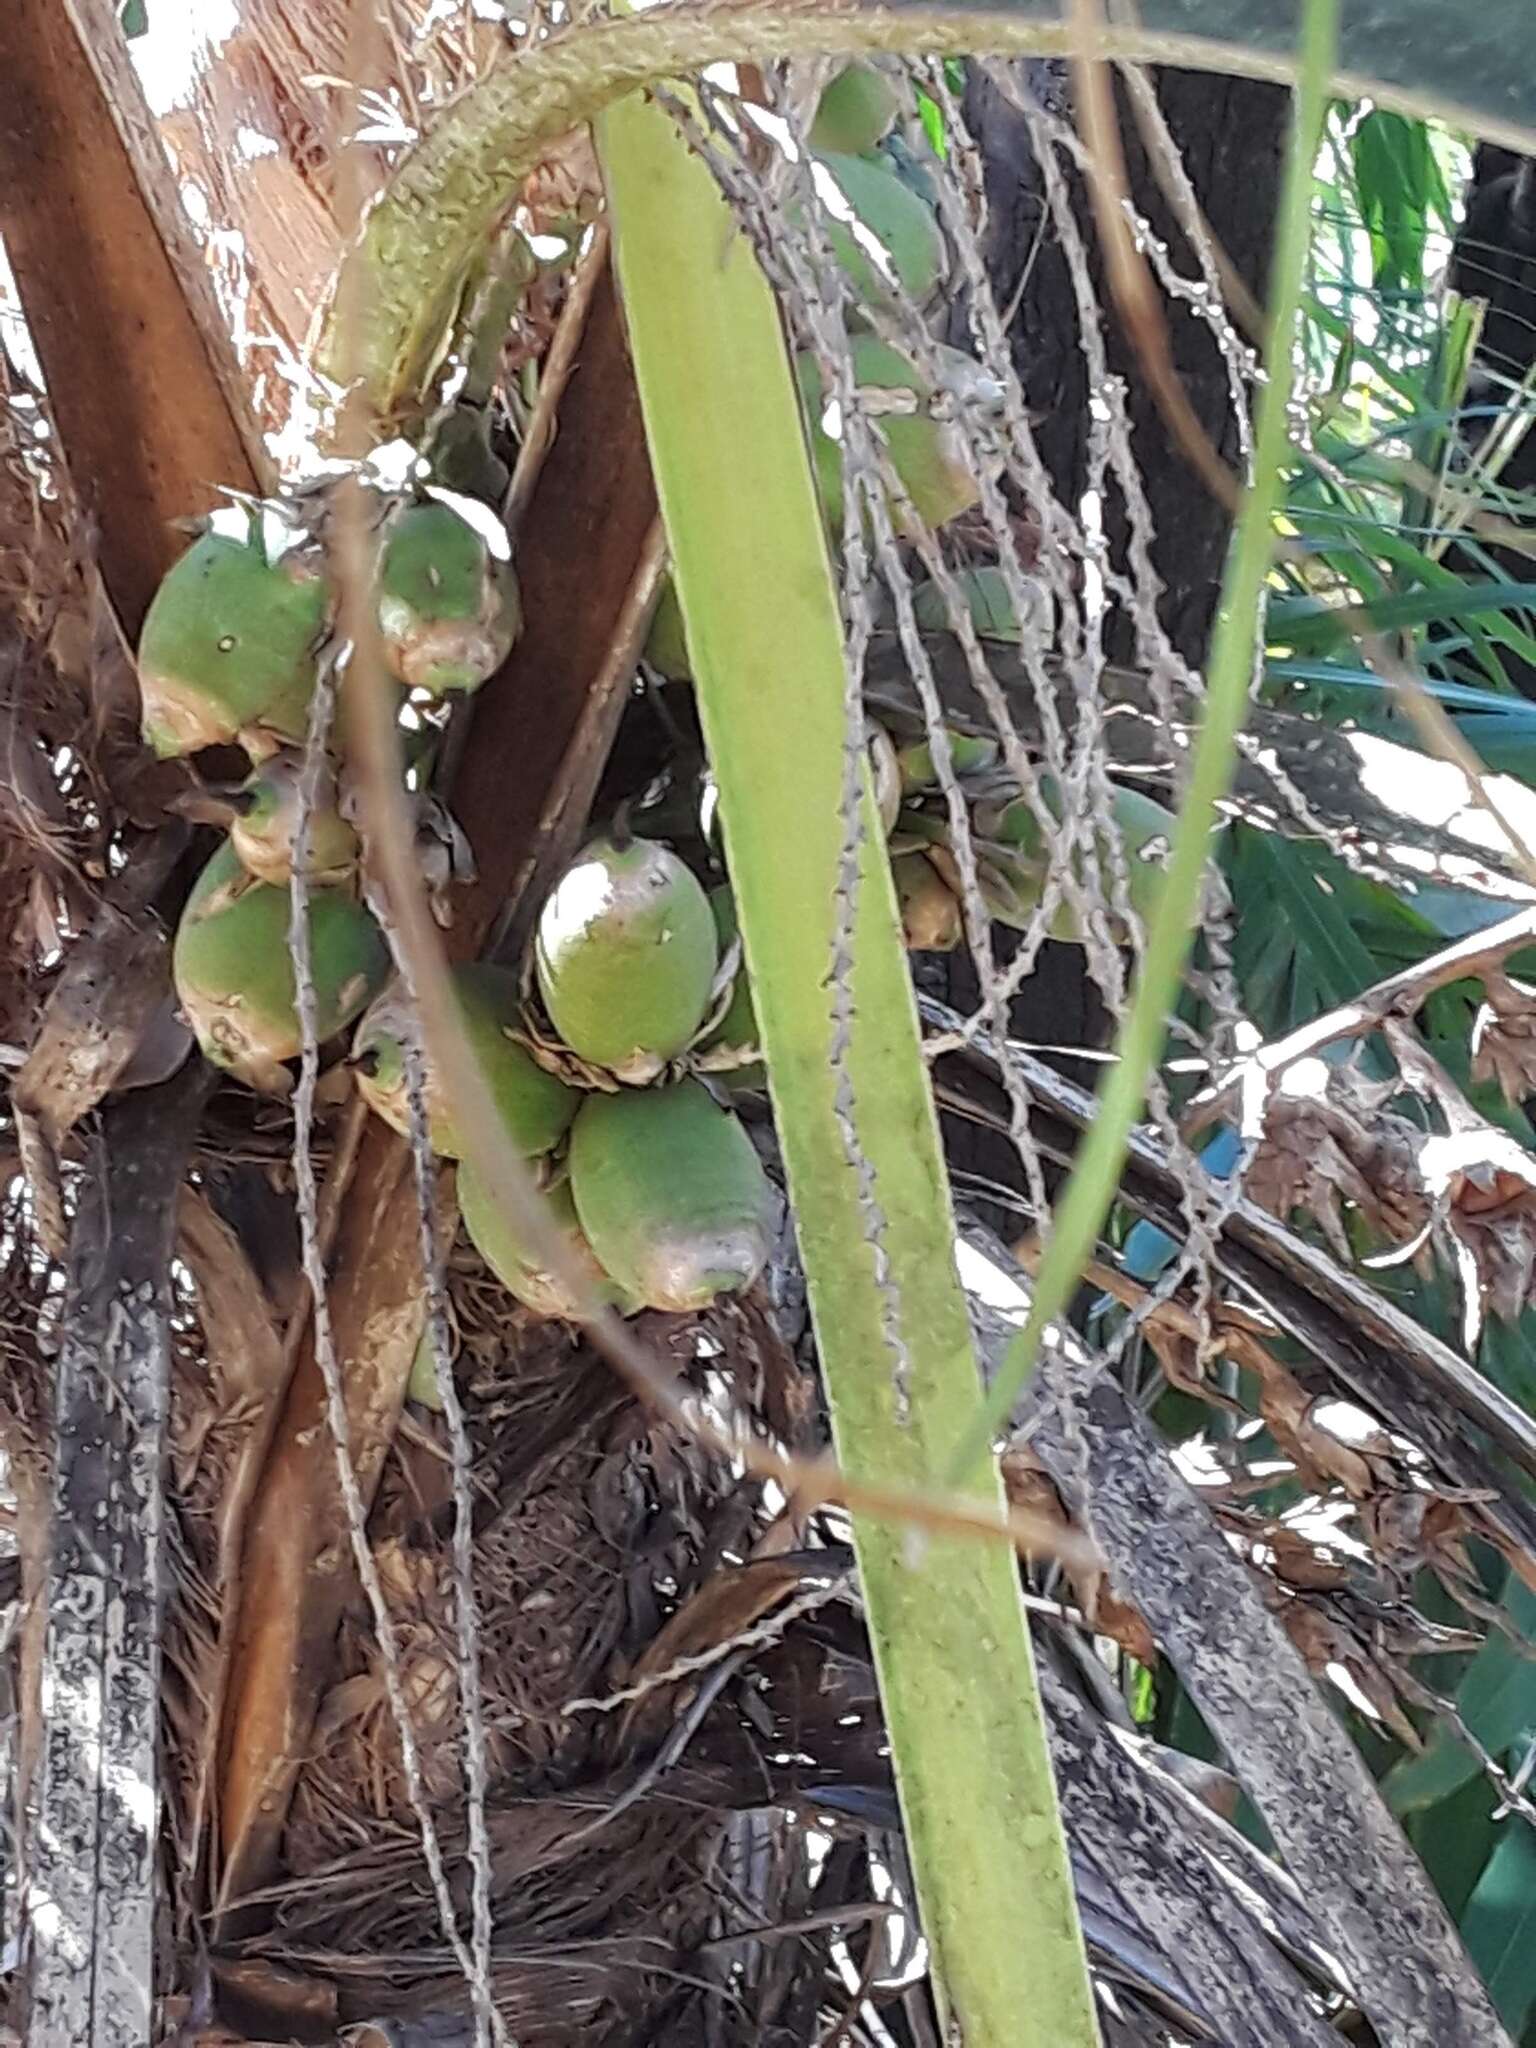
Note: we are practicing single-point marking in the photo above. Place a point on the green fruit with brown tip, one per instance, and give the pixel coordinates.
(626, 954)
(535, 1106)
(666, 645)
(671, 1194)
(893, 235)
(264, 832)
(520, 1269)
(927, 454)
(229, 645)
(234, 973)
(968, 755)
(448, 604)
(930, 914)
(855, 111)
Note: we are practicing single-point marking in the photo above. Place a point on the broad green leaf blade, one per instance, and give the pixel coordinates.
(1307, 625)
(1499, 1926)
(1396, 181)
(1454, 1839)
(946, 1619)
(1496, 1699)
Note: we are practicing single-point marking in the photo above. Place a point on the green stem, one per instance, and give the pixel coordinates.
(867, 1178)
(434, 219)
(1228, 679)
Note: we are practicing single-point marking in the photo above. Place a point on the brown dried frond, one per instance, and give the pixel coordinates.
(1336, 1146)
(1490, 1213)
(256, 135)
(1027, 1484)
(1328, 1641)
(1321, 1458)
(1504, 1036)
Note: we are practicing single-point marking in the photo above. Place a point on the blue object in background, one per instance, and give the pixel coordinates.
(1147, 1250)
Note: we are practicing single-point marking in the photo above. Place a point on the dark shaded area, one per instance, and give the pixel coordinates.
(1494, 259)
(1230, 133)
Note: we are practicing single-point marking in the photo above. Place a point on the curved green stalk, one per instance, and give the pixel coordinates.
(1228, 678)
(946, 1619)
(436, 216)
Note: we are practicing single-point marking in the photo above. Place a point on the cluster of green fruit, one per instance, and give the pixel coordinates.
(1010, 831)
(883, 229)
(1013, 843)
(655, 1186)
(229, 655)
(596, 1053)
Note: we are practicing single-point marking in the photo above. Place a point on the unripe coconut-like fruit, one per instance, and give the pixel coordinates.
(968, 755)
(625, 954)
(448, 601)
(666, 645)
(885, 773)
(1144, 829)
(519, 1268)
(737, 1030)
(234, 974)
(229, 646)
(984, 592)
(853, 113)
(535, 1106)
(264, 832)
(671, 1194)
(893, 234)
(422, 1386)
(723, 1052)
(927, 454)
(930, 914)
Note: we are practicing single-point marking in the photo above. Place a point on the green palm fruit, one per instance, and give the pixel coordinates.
(885, 774)
(737, 1030)
(671, 1194)
(536, 1108)
(234, 974)
(518, 1268)
(1143, 827)
(666, 645)
(927, 454)
(853, 113)
(985, 593)
(625, 954)
(448, 601)
(723, 1051)
(267, 822)
(422, 1385)
(892, 234)
(968, 753)
(930, 914)
(229, 646)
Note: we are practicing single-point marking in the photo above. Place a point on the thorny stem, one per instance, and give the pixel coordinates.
(1228, 677)
(466, 1607)
(373, 741)
(1399, 995)
(313, 1263)
(357, 627)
